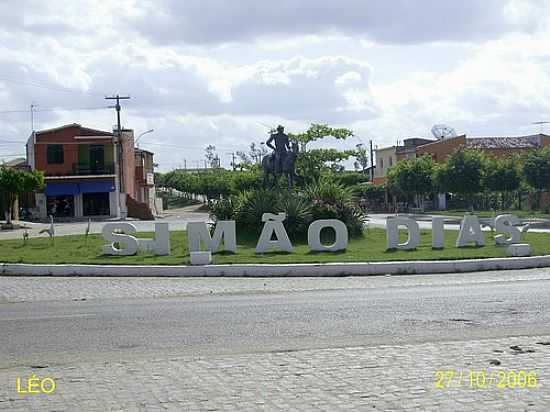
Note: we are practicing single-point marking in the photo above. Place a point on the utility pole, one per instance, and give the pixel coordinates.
(371, 162)
(233, 159)
(32, 117)
(185, 164)
(119, 171)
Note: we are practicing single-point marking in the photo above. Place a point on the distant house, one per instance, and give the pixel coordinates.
(386, 157)
(19, 163)
(145, 179)
(497, 146)
(84, 174)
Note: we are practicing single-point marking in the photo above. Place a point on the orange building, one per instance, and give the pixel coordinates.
(84, 174)
(493, 146)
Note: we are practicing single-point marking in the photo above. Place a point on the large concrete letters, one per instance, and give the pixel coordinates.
(225, 229)
(392, 233)
(120, 233)
(470, 231)
(273, 224)
(505, 224)
(314, 235)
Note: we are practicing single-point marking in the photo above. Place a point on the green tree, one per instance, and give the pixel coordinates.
(13, 183)
(311, 164)
(536, 170)
(362, 157)
(211, 156)
(503, 177)
(462, 173)
(320, 131)
(413, 177)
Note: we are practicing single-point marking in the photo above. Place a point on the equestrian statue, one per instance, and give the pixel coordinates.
(283, 159)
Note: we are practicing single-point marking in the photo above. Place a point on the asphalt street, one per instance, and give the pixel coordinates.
(34, 333)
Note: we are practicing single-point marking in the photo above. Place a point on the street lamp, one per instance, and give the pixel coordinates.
(141, 134)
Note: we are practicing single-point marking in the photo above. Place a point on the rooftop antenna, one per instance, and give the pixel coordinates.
(442, 131)
(541, 124)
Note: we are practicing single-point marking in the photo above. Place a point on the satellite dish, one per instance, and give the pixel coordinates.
(442, 131)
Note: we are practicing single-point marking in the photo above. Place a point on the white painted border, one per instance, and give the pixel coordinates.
(281, 270)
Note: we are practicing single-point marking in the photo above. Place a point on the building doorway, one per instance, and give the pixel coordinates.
(61, 206)
(97, 159)
(96, 204)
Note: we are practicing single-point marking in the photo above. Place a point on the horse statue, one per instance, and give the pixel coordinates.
(287, 169)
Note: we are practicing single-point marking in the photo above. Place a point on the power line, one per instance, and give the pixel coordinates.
(187, 146)
(54, 88)
(54, 109)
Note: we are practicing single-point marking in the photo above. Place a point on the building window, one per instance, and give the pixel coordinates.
(391, 161)
(55, 154)
(381, 164)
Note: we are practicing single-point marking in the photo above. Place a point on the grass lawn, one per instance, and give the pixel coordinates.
(488, 213)
(371, 247)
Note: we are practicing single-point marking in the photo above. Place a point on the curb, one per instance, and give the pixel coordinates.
(283, 270)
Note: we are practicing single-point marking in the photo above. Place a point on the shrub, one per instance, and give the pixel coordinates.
(252, 205)
(322, 200)
(223, 209)
(333, 201)
(298, 213)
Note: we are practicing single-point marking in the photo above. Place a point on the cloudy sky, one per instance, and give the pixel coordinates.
(222, 72)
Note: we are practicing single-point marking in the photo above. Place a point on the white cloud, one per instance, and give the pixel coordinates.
(218, 72)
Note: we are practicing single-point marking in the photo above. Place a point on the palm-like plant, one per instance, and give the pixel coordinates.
(298, 213)
(253, 204)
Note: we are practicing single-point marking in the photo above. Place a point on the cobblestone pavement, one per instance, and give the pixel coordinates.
(28, 289)
(379, 378)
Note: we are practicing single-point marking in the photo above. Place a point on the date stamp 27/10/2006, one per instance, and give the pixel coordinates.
(486, 379)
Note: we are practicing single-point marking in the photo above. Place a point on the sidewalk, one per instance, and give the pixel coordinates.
(380, 378)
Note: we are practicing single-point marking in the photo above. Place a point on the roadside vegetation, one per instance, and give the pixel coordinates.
(475, 181)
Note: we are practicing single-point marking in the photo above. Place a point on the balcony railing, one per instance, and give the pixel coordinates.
(107, 168)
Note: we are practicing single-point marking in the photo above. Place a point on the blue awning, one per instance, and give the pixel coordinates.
(96, 187)
(61, 189)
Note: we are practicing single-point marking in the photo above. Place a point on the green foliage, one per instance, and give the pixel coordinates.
(333, 201)
(349, 178)
(373, 196)
(245, 180)
(322, 200)
(214, 184)
(320, 131)
(502, 175)
(412, 177)
(536, 169)
(160, 179)
(211, 156)
(252, 205)
(372, 247)
(362, 157)
(298, 213)
(15, 182)
(311, 164)
(223, 209)
(462, 173)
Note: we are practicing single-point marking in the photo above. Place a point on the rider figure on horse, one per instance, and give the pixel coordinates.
(280, 149)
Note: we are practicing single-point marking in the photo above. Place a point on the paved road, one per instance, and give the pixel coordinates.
(372, 343)
(32, 289)
(56, 331)
(177, 221)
